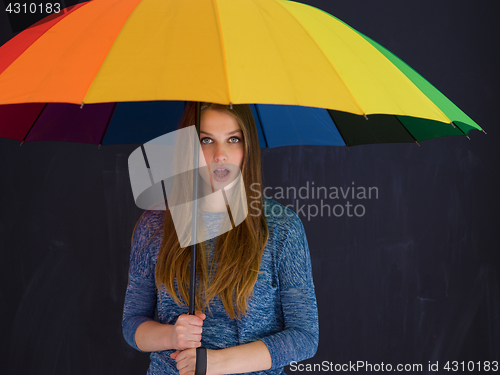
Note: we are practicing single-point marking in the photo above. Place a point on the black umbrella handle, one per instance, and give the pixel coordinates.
(201, 361)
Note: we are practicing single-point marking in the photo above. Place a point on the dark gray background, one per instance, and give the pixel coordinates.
(414, 280)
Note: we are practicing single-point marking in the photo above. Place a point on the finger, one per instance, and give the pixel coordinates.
(195, 330)
(195, 321)
(190, 320)
(183, 359)
(191, 335)
(187, 363)
(195, 337)
(175, 354)
(193, 344)
(188, 332)
(197, 314)
(200, 314)
(186, 371)
(181, 363)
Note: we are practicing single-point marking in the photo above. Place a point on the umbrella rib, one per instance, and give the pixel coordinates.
(34, 122)
(458, 127)
(221, 38)
(404, 127)
(107, 124)
(260, 124)
(338, 129)
(98, 68)
(326, 57)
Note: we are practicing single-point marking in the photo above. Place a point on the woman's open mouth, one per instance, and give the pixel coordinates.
(221, 174)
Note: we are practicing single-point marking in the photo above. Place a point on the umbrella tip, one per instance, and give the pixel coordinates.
(230, 105)
(365, 116)
(99, 147)
(468, 137)
(20, 144)
(484, 131)
(418, 144)
(81, 106)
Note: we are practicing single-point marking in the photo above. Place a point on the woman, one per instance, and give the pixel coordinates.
(254, 282)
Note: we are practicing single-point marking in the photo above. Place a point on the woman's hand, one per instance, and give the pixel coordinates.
(186, 361)
(186, 333)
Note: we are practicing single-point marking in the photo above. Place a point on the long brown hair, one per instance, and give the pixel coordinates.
(237, 255)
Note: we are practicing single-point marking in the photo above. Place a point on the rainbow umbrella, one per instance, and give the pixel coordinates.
(117, 71)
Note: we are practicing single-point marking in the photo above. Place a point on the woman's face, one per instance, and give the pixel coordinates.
(223, 146)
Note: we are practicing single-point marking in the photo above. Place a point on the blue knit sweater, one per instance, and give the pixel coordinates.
(282, 311)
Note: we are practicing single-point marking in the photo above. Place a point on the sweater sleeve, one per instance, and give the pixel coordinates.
(140, 297)
(299, 339)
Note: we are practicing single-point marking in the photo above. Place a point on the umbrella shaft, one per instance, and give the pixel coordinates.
(192, 287)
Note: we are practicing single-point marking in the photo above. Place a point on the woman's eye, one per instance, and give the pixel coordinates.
(206, 140)
(234, 140)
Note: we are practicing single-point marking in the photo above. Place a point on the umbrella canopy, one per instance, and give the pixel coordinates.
(110, 55)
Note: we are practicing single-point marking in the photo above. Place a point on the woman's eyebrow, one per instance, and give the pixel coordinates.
(230, 133)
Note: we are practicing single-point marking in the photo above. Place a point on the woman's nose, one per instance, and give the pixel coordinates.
(220, 154)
